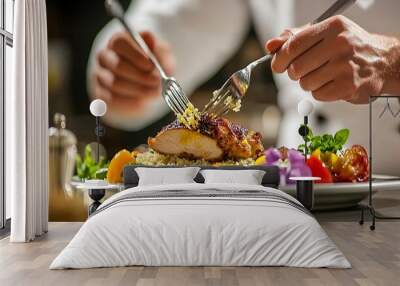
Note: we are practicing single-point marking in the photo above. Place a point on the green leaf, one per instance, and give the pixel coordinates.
(101, 174)
(325, 142)
(88, 152)
(341, 136)
(87, 167)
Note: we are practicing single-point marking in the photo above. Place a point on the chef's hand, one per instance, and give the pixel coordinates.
(124, 77)
(338, 60)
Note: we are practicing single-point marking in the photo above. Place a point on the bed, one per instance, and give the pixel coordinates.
(198, 224)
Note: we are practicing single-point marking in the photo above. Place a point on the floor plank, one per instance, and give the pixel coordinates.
(375, 257)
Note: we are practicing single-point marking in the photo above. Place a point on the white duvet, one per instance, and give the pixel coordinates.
(188, 231)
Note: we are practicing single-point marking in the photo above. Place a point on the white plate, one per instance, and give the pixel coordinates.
(344, 195)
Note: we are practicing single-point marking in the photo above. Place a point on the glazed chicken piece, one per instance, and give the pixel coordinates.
(213, 140)
(186, 143)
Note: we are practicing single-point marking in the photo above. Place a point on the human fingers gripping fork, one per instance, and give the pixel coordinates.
(172, 92)
(229, 96)
(338, 60)
(124, 76)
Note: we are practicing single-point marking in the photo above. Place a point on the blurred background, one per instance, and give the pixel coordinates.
(70, 39)
(71, 36)
(72, 28)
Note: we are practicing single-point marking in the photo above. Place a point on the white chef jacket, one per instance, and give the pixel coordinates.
(204, 34)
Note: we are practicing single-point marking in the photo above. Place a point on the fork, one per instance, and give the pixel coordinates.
(172, 92)
(229, 96)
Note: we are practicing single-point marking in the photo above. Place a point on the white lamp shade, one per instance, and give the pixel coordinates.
(305, 107)
(98, 107)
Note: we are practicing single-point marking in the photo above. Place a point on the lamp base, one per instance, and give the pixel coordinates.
(305, 190)
(96, 195)
(305, 193)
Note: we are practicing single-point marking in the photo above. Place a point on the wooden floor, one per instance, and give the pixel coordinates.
(375, 257)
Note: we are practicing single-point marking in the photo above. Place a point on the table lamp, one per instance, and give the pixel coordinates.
(98, 108)
(305, 108)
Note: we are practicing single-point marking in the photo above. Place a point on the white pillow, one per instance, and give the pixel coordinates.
(166, 176)
(248, 177)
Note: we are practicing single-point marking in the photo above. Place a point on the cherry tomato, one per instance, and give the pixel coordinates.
(354, 165)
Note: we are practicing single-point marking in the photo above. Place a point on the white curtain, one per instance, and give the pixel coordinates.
(27, 123)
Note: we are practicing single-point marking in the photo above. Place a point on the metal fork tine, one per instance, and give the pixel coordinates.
(217, 97)
(179, 96)
(182, 94)
(210, 103)
(223, 111)
(171, 104)
(219, 102)
(174, 98)
(214, 101)
(223, 96)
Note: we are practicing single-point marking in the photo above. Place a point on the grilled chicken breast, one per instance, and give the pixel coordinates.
(214, 140)
(186, 143)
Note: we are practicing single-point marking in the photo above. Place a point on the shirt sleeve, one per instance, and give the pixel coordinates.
(203, 35)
